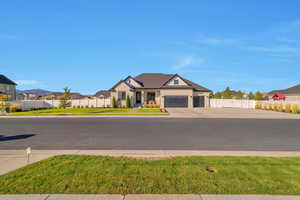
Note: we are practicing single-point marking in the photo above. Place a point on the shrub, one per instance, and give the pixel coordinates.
(288, 108)
(258, 105)
(14, 108)
(128, 102)
(265, 106)
(276, 107)
(114, 102)
(270, 106)
(295, 108)
(281, 108)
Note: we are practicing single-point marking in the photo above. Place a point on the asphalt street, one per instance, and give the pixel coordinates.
(151, 134)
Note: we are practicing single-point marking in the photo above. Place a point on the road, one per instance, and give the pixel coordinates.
(151, 134)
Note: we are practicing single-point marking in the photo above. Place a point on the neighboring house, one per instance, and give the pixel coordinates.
(278, 97)
(163, 90)
(7, 87)
(103, 94)
(292, 93)
(58, 95)
(28, 96)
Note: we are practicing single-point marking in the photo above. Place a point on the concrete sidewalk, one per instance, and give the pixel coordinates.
(146, 197)
(14, 159)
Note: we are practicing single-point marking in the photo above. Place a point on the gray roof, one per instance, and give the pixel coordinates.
(292, 90)
(159, 81)
(103, 93)
(5, 80)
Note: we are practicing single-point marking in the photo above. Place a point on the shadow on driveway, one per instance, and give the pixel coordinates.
(15, 137)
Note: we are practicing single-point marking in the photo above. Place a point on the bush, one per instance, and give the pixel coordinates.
(270, 106)
(265, 106)
(258, 105)
(295, 108)
(276, 107)
(14, 108)
(288, 108)
(128, 102)
(114, 103)
(281, 108)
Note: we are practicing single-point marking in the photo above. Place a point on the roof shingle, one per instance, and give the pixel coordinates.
(5, 80)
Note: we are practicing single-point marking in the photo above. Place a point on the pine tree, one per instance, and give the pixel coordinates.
(239, 95)
(227, 93)
(251, 96)
(65, 99)
(218, 95)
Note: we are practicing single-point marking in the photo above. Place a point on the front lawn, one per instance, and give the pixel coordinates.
(180, 175)
(91, 111)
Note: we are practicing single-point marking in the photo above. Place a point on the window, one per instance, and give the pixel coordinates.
(121, 95)
(151, 96)
(176, 82)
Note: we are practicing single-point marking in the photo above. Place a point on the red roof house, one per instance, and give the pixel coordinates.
(278, 96)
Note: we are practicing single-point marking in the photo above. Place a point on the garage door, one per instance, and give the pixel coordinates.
(176, 101)
(198, 101)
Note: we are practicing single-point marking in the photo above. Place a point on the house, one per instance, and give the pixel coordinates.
(292, 93)
(162, 90)
(7, 87)
(278, 97)
(103, 94)
(58, 95)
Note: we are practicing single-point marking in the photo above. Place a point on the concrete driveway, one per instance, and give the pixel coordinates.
(238, 113)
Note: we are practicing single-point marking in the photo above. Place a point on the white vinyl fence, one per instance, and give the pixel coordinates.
(232, 103)
(39, 104)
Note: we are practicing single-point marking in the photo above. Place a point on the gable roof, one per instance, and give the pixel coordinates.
(292, 90)
(103, 93)
(159, 81)
(5, 80)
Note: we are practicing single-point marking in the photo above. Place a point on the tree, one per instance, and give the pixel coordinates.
(65, 99)
(218, 95)
(227, 93)
(251, 96)
(128, 102)
(258, 96)
(239, 95)
(114, 102)
(211, 95)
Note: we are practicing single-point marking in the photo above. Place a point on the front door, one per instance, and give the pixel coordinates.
(138, 97)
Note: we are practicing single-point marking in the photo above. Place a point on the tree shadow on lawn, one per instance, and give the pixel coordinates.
(15, 137)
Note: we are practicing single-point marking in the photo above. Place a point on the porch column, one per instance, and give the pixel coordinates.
(142, 97)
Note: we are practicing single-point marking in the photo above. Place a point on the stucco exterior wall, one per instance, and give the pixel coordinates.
(206, 97)
(122, 87)
(295, 97)
(9, 90)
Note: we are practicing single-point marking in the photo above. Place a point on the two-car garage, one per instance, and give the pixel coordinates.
(183, 101)
(176, 101)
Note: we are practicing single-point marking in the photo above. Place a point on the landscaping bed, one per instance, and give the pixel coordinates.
(180, 175)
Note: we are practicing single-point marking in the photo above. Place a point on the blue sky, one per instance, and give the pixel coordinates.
(90, 45)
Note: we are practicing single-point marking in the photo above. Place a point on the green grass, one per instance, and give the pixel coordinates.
(88, 114)
(180, 175)
(90, 111)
